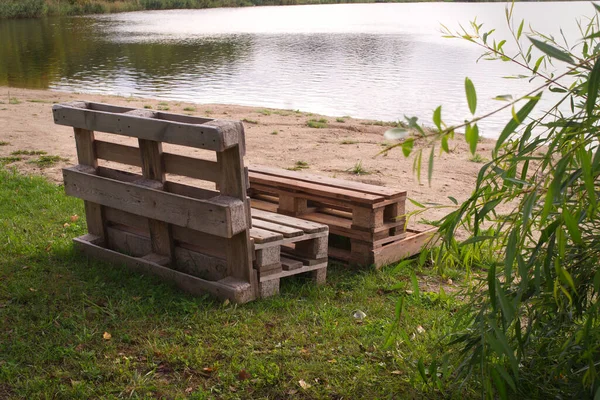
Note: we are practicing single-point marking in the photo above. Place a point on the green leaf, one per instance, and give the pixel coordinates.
(444, 143)
(430, 164)
(421, 368)
(471, 95)
(572, 226)
(474, 139)
(492, 285)
(452, 199)
(407, 146)
(416, 203)
(552, 51)
(437, 117)
(520, 30)
(509, 260)
(503, 97)
(593, 85)
(596, 6)
(512, 124)
(538, 63)
(415, 285)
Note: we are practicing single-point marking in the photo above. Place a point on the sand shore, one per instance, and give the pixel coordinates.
(277, 138)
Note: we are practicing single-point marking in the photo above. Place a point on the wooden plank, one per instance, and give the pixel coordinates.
(116, 216)
(199, 264)
(263, 236)
(295, 186)
(286, 231)
(153, 169)
(222, 216)
(193, 167)
(414, 242)
(306, 226)
(128, 243)
(212, 135)
(84, 141)
(207, 244)
(267, 256)
(388, 193)
(228, 288)
(174, 164)
(367, 218)
(129, 155)
(232, 183)
(263, 205)
(295, 239)
(303, 269)
(289, 265)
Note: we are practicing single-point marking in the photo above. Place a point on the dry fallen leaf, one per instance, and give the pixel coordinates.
(136, 298)
(397, 372)
(333, 360)
(26, 267)
(189, 390)
(303, 384)
(207, 370)
(226, 302)
(292, 392)
(243, 375)
(74, 218)
(232, 389)
(420, 329)
(66, 225)
(32, 289)
(106, 336)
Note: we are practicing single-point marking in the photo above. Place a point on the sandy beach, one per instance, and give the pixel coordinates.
(277, 138)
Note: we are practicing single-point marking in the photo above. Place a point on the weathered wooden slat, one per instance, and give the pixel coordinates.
(293, 186)
(303, 269)
(232, 182)
(263, 236)
(84, 141)
(306, 226)
(263, 205)
(121, 153)
(289, 265)
(153, 169)
(233, 289)
(215, 135)
(174, 164)
(222, 216)
(286, 231)
(388, 193)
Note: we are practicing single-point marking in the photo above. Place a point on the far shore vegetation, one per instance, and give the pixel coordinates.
(42, 8)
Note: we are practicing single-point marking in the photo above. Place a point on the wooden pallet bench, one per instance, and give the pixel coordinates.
(366, 222)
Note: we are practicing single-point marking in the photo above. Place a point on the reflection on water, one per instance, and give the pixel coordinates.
(378, 61)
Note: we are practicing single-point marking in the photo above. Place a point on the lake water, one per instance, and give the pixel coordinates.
(379, 61)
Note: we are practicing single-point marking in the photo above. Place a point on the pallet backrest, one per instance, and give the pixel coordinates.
(211, 222)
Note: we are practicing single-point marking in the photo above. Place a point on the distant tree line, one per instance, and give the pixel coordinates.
(42, 8)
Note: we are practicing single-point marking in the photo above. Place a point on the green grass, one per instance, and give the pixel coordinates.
(299, 165)
(341, 120)
(3, 143)
(314, 123)
(40, 101)
(9, 160)
(163, 108)
(28, 153)
(190, 109)
(47, 161)
(14, 100)
(264, 111)
(358, 169)
(250, 121)
(478, 158)
(275, 132)
(148, 106)
(56, 305)
(348, 141)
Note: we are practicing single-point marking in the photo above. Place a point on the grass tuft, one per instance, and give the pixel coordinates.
(14, 100)
(148, 106)
(47, 161)
(348, 141)
(318, 124)
(275, 133)
(28, 153)
(358, 169)
(299, 165)
(264, 111)
(3, 143)
(190, 109)
(250, 121)
(478, 158)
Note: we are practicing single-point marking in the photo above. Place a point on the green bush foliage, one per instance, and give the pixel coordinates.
(530, 326)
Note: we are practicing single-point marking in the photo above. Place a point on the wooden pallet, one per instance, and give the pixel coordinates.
(366, 222)
(286, 246)
(155, 225)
